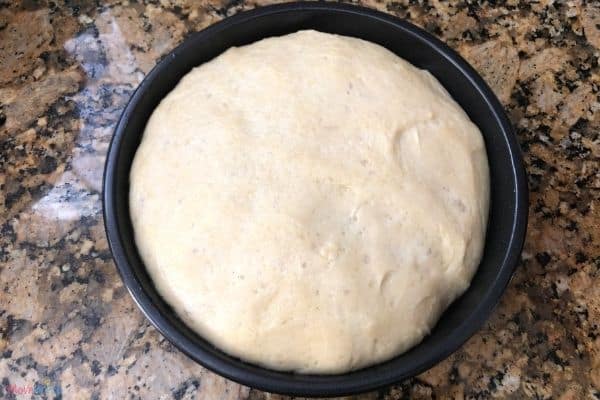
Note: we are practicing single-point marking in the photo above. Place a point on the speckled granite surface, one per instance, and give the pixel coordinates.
(67, 325)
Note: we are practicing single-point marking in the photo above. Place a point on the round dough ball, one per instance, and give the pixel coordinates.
(310, 202)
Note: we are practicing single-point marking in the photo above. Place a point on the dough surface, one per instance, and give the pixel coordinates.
(310, 202)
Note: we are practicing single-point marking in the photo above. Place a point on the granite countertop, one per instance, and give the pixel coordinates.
(68, 326)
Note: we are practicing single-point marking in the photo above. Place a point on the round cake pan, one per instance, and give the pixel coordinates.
(508, 209)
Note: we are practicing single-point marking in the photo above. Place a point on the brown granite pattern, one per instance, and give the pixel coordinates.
(68, 327)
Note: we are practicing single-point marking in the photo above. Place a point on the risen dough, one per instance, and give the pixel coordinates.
(310, 202)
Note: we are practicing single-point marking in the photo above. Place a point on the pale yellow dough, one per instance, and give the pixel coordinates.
(310, 202)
